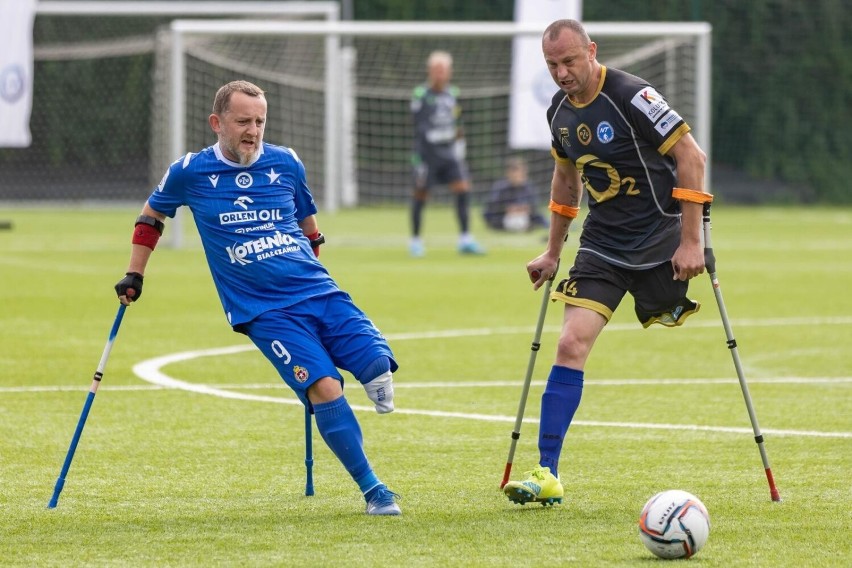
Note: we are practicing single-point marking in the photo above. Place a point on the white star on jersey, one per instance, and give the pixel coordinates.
(273, 177)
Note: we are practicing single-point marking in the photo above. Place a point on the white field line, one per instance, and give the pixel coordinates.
(161, 381)
(479, 332)
(150, 371)
(275, 385)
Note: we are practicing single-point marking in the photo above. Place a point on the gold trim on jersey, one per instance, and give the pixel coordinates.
(597, 91)
(559, 158)
(583, 303)
(679, 132)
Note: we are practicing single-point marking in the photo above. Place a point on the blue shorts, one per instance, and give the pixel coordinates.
(314, 338)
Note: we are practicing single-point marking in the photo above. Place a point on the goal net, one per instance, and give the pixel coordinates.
(123, 88)
(94, 109)
(339, 92)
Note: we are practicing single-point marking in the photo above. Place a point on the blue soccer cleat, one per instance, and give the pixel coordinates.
(471, 247)
(416, 248)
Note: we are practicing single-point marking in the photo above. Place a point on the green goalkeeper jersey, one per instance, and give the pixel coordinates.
(436, 117)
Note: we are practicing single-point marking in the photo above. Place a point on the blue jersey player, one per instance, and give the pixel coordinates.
(257, 222)
(614, 136)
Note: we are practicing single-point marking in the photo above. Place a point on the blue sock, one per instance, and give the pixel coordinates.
(558, 404)
(375, 369)
(339, 428)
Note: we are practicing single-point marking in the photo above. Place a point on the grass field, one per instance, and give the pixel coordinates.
(178, 477)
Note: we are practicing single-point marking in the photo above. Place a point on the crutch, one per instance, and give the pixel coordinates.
(710, 264)
(96, 381)
(536, 345)
(309, 454)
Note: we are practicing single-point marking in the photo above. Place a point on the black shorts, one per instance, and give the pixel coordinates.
(434, 171)
(599, 286)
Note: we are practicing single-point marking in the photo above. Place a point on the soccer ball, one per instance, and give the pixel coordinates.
(674, 524)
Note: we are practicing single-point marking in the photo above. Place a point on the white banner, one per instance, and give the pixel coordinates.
(16, 71)
(532, 86)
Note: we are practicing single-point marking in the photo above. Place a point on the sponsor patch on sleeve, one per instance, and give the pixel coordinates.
(668, 122)
(651, 103)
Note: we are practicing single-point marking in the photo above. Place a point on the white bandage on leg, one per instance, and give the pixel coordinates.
(380, 391)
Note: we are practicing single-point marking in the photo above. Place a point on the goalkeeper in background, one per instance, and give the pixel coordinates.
(613, 134)
(257, 222)
(439, 151)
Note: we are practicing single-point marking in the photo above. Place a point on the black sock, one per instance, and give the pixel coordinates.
(416, 216)
(462, 211)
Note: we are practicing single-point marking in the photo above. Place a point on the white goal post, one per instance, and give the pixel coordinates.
(339, 93)
(273, 10)
(388, 60)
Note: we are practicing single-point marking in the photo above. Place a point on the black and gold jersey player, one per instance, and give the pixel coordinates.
(617, 139)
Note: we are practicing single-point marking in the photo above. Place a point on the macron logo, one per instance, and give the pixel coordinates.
(214, 179)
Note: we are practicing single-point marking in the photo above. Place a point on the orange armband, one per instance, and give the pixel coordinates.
(691, 195)
(564, 210)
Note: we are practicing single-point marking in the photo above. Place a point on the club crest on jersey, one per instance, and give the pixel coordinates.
(584, 134)
(300, 374)
(244, 180)
(605, 132)
(563, 137)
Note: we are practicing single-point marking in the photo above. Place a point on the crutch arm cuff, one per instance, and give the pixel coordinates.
(691, 195)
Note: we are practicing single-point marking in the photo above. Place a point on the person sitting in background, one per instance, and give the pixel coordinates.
(511, 204)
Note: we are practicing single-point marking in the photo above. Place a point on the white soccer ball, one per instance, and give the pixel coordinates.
(674, 524)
